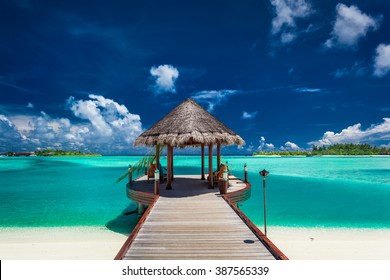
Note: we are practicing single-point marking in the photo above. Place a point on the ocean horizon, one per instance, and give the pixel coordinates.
(326, 192)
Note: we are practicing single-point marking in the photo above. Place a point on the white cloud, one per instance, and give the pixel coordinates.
(382, 60)
(268, 146)
(307, 90)
(30, 105)
(88, 110)
(355, 134)
(247, 115)
(213, 98)
(10, 137)
(250, 148)
(357, 70)
(291, 146)
(105, 127)
(351, 24)
(107, 120)
(286, 14)
(21, 122)
(165, 77)
(287, 37)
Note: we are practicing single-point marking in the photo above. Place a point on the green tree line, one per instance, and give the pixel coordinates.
(350, 149)
(63, 153)
(337, 149)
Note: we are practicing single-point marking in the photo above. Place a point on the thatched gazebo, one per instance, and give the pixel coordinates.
(189, 124)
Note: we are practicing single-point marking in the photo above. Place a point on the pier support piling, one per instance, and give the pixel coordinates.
(141, 209)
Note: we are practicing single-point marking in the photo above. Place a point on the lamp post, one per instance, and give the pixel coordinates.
(245, 173)
(156, 181)
(264, 173)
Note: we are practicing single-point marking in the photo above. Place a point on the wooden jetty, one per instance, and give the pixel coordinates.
(190, 219)
(194, 222)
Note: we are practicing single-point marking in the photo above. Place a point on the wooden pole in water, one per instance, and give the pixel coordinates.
(211, 183)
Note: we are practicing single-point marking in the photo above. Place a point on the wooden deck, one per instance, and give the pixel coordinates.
(194, 222)
(141, 190)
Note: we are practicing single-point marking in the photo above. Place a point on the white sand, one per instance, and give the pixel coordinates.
(59, 243)
(94, 243)
(331, 244)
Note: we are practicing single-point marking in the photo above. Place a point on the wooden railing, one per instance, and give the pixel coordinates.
(139, 196)
(240, 195)
(135, 231)
(275, 251)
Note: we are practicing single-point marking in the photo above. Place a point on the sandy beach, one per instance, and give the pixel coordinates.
(332, 243)
(94, 243)
(59, 243)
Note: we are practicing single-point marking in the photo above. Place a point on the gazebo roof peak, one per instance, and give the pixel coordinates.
(189, 124)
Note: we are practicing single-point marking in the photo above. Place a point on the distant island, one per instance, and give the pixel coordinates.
(334, 150)
(46, 153)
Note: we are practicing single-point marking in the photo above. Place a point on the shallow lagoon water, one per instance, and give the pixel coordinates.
(301, 192)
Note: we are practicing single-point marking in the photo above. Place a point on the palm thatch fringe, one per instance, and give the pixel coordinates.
(188, 125)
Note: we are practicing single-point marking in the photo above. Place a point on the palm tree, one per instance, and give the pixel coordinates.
(143, 163)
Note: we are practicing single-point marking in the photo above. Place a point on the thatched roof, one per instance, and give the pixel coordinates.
(188, 124)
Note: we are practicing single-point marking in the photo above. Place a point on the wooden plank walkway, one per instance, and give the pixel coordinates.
(193, 222)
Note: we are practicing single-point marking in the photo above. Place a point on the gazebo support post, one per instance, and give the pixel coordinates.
(202, 148)
(158, 159)
(211, 183)
(173, 178)
(169, 161)
(218, 155)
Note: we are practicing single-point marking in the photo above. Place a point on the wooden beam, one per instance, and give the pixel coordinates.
(173, 178)
(202, 148)
(211, 183)
(169, 167)
(157, 157)
(218, 155)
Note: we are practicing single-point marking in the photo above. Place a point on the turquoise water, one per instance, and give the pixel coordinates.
(303, 192)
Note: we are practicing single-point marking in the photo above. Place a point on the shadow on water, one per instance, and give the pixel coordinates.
(125, 222)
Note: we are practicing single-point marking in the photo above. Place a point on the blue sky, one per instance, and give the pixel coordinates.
(283, 74)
